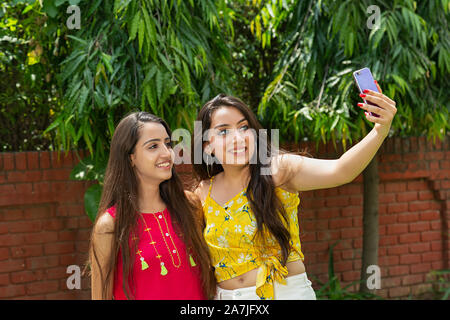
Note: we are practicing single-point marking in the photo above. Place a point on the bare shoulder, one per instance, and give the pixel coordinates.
(282, 166)
(104, 224)
(202, 190)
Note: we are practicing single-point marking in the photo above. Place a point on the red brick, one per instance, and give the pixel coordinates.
(26, 251)
(436, 246)
(23, 189)
(388, 219)
(397, 228)
(8, 161)
(419, 206)
(351, 233)
(420, 267)
(430, 215)
(407, 196)
(21, 160)
(44, 159)
(417, 185)
(328, 213)
(386, 198)
(430, 235)
(426, 195)
(408, 217)
(399, 249)
(395, 187)
(27, 276)
(11, 291)
(340, 223)
(431, 256)
(12, 265)
(56, 175)
(397, 207)
(342, 266)
(410, 259)
(42, 287)
(409, 238)
(4, 253)
(419, 226)
(4, 279)
(54, 224)
(337, 201)
(32, 160)
(388, 240)
(58, 248)
(41, 237)
(42, 262)
(25, 226)
(391, 282)
(444, 164)
(389, 260)
(8, 240)
(419, 247)
(398, 270)
(412, 279)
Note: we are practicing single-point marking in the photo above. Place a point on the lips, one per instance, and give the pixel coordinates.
(164, 165)
(238, 151)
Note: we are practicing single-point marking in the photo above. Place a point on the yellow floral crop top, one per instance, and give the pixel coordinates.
(229, 232)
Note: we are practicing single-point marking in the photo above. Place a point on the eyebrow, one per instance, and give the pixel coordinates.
(156, 140)
(227, 125)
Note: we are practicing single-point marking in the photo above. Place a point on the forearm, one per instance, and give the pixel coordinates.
(356, 159)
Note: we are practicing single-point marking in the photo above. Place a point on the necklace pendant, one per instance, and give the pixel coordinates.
(144, 264)
(191, 260)
(163, 269)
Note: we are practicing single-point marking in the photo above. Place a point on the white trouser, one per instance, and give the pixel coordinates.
(298, 287)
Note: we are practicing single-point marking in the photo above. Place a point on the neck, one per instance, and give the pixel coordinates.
(236, 176)
(150, 198)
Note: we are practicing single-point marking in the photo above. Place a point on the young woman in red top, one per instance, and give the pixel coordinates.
(148, 230)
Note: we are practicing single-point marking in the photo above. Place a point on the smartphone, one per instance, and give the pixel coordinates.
(364, 80)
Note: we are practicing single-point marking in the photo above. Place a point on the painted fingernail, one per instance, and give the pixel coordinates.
(360, 104)
(375, 81)
(366, 91)
(362, 95)
(366, 114)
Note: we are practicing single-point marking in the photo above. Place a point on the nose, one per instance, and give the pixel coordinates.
(166, 151)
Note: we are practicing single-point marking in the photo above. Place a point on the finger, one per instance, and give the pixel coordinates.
(380, 95)
(373, 119)
(378, 87)
(374, 109)
(380, 101)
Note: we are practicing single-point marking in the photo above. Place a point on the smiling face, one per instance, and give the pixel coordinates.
(153, 156)
(231, 140)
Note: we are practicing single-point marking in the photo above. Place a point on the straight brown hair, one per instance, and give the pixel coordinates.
(121, 190)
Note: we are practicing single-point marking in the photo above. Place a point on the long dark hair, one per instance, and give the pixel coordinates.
(267, 207)
(121, 189)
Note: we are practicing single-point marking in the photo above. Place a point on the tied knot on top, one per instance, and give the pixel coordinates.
(271, 270)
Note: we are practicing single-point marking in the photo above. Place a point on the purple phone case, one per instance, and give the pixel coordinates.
(364, 80)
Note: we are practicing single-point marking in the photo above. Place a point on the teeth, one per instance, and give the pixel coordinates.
(163, 165)
(239, 150)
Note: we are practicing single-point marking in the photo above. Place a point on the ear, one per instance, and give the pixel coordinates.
(132, 159)
(208, 149)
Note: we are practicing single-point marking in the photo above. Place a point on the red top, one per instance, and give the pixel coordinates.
(181, 281)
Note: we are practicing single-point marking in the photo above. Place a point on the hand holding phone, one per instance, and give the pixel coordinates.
(364, 80)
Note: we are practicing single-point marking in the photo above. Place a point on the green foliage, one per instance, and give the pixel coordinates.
(165, 57)
(312, 95)
(441, 283)
(332, 289)
(29, 59)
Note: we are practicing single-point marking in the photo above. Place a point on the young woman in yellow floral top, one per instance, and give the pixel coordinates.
(250, 197)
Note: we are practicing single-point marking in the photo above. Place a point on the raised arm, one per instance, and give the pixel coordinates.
(304, 173)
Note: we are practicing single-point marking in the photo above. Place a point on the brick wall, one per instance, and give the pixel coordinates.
(43, 227)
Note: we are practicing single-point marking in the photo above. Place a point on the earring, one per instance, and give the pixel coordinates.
(210, 159)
